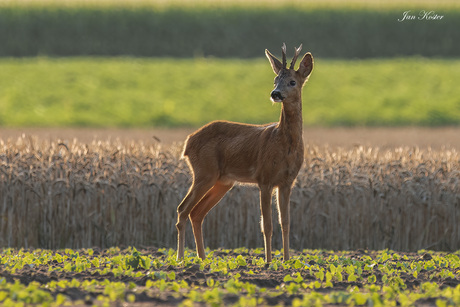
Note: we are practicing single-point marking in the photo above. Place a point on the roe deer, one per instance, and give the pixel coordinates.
(222, 153)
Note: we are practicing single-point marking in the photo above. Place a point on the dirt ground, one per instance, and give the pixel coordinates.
(436, 138)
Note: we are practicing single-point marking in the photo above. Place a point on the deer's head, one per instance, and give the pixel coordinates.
(288, 81)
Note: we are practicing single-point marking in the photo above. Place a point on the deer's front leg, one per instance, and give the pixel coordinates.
(266, 222)
(284, 194)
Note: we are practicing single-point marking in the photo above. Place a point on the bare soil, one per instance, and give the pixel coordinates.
(436, 138)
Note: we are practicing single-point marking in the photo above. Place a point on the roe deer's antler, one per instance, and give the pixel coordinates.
(283, 51)
(294, 59)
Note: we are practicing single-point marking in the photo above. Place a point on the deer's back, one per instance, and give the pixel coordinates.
(242, 152)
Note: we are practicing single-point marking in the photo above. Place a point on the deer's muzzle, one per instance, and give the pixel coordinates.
(276, 96)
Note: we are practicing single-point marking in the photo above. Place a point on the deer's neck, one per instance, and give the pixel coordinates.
(290, 124)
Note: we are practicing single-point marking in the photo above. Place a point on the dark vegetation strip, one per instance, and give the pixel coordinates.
(223, 32)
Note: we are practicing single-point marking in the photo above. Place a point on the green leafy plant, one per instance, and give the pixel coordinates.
(384, 278)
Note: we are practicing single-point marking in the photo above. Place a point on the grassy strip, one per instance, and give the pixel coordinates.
(234, 31)
(128, 92)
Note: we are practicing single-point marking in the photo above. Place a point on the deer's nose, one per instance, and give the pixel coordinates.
(276, 95)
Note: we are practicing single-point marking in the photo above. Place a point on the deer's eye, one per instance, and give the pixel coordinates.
(292, 83)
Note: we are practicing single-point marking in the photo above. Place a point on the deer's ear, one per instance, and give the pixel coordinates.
(274, 62)
(306, 65)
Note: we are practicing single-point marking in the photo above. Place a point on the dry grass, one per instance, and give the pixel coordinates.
(56, 194)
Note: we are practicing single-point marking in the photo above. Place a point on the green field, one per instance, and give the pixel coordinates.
(178, 63)
(115, 277)
(141, 92)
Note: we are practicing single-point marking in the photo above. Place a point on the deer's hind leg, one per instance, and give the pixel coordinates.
(266, 220)
(200, 186)
(199, 212)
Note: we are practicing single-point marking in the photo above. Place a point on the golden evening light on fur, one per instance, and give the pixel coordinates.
(222, 153)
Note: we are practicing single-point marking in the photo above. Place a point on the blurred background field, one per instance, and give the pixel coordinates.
(180, 63)
(143, 92)
(226, 28)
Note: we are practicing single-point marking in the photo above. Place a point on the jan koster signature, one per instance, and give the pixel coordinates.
(422, 15)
